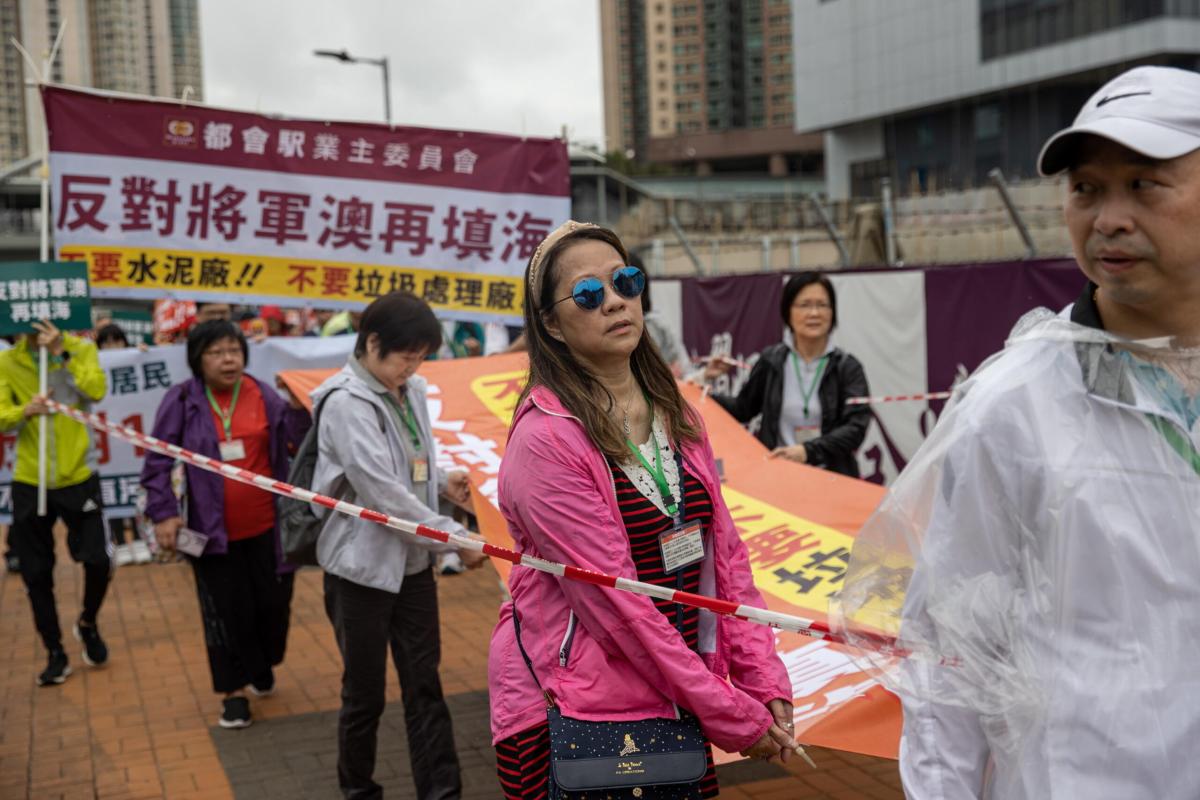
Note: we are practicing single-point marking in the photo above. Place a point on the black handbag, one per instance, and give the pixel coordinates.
(645, 759)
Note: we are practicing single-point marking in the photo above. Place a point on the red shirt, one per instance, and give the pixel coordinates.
(249, 511)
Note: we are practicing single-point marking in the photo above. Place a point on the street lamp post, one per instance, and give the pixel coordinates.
(346, 58)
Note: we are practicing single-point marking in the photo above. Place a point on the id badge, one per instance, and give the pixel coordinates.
(682, 546)
(805, 434)
(420, 470)
(233, 450)
(190, 542)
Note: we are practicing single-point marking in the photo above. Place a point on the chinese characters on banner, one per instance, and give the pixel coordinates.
(32, 291)
(206, 204)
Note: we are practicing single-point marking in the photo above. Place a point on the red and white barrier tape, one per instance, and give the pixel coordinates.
(898, 398)
(762, 616)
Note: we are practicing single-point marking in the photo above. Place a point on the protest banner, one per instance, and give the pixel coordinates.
(798, 524)
(137, 382)
(31, 291)
(138, 326)
(205, 204)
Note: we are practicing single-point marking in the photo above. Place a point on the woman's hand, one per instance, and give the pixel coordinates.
(458, 490)
(771, 745)
(795, 453)
(166, 531)
(472, 559)
(37, 407)
(716, 366)
(782, 711)
(49, 337)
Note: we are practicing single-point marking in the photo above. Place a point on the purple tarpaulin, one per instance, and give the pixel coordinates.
(970, 309)
(744, 306)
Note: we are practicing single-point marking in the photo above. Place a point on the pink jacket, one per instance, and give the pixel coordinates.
(605, 654)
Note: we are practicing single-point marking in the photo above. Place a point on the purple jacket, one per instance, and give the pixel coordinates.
(185, 419)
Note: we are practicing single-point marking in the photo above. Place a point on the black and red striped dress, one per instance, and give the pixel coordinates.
(523, 760)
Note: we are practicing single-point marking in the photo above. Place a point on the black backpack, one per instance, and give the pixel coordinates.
(299, 527)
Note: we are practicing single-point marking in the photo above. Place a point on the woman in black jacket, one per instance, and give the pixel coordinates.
(800, 386)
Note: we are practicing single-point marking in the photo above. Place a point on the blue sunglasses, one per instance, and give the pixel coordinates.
(588, 294)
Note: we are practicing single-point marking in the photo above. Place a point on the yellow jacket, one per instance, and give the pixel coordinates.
(76, 381)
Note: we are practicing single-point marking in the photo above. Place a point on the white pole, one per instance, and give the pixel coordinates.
(43, 355)
(43, 372)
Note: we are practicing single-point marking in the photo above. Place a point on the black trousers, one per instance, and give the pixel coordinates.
(32, 539)
(367, 622)
(246, 608)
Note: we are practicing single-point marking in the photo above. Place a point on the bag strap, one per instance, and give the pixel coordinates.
(525, 655)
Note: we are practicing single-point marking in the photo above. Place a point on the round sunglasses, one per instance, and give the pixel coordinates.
(588, 294)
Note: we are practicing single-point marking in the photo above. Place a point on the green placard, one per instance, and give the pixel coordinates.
(137, 325)
(56, 291)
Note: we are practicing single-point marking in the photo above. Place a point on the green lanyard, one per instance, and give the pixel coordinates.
(1178, 442)
(657, 472)
(406, 415)
(808, 393)
(226, 416)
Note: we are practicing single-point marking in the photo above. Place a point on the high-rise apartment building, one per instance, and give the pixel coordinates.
(140, 46)
(934, 94)
(703, 83)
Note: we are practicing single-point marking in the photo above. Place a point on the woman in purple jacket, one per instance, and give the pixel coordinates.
(244, 587)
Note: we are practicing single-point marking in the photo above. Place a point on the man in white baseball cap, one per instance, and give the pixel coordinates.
(1153, 111)
(1049, 527)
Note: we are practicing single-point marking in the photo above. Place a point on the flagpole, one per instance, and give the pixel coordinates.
(43, 372)
(43, 354)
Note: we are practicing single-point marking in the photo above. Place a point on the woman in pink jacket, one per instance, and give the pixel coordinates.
(602, 453)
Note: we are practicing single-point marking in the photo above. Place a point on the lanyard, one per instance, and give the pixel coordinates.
(226, 416)
(657, 472)
(408, 418)
(808, 393)
(1178, 442)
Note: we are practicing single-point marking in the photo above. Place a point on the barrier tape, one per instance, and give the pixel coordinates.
(898, 398)
(761, 616)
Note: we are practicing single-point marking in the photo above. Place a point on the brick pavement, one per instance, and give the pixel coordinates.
(144, 726)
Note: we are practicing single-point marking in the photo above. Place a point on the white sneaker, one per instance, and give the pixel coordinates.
(123, 555)
(141, 552)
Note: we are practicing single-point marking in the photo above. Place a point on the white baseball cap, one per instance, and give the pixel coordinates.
(1154, 111)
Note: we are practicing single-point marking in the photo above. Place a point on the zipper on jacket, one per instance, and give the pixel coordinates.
(564, 649)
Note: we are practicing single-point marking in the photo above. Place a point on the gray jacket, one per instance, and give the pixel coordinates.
(359, 463)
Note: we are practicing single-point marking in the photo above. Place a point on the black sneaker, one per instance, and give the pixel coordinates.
(11, 562)
(236, 713)
(95, 651)
(56, 671)
(263, 686)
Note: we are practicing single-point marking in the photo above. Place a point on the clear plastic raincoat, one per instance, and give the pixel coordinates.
(1038, 568)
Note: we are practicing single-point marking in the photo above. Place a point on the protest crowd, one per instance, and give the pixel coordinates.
(1033, 568)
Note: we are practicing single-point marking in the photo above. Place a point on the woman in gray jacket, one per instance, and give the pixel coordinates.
(376, 449)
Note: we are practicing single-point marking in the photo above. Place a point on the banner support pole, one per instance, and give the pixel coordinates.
(43, 375)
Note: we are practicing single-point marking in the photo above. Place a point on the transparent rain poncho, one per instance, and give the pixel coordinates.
(1036, 571)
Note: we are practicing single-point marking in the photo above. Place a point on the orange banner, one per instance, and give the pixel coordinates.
(798, 523)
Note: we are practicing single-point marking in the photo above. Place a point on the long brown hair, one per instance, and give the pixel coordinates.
(553, 365)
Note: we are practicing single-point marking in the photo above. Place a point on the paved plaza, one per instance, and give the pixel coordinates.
(145, 725)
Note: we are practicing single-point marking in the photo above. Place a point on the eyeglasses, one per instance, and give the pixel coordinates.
(814, 306)
(588, 294)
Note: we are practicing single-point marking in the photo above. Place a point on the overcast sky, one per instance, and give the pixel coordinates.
(511, 66)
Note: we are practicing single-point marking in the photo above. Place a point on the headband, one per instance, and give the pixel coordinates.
(536, 272)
